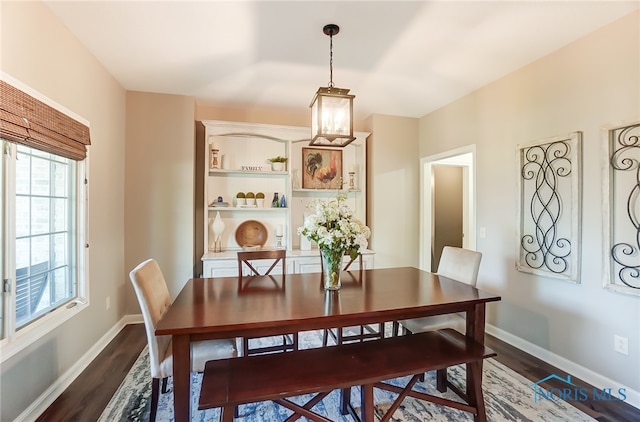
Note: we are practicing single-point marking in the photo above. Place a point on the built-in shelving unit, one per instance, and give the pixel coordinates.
(241, 149)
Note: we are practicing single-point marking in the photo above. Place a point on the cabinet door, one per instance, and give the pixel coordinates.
(220, 268)
(229, 268)
(367, 262)
(311, 264)
(308, 265)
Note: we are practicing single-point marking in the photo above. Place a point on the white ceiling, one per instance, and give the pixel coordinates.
(399, 58)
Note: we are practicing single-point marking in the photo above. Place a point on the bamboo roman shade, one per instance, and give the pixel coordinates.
(28, 121)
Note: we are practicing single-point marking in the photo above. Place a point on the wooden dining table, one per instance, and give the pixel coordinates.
(218, 308)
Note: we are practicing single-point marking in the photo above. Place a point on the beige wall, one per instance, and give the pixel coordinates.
(590, 83)
(267, 115)
(51, 61)
(447, 210)
(159, 190)
(393, 195)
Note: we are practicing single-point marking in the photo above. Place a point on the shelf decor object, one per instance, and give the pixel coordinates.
(251, 234)
(621, 201)
(549, 207)
(217, 227)
(295, 179)
(279, 235)
(331, 108)
(213, 156)
(353, 170)
(322, 168)
(250, 198)
(277, 163)
(241, 199)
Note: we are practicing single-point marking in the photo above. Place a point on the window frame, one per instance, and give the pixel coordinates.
(12, 339)
(16, 339)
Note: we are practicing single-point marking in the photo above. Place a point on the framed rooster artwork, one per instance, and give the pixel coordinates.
(322, 168)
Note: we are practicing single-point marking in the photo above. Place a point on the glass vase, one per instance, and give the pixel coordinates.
(331, 268)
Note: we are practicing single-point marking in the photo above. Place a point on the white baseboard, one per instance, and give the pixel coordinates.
(587, 375)
(47, 398)
(132, 319)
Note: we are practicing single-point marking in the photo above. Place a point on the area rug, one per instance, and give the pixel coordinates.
(508, 397)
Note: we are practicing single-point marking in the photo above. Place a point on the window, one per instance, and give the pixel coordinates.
(43, 211)
(42, 217)
(45, 214)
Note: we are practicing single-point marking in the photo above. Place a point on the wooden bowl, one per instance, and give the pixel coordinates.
(251, 233)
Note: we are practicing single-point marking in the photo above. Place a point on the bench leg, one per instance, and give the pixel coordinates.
(226, 413)
(366, 394)
(441, 380)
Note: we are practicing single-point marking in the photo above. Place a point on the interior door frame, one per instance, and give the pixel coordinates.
(464, 157)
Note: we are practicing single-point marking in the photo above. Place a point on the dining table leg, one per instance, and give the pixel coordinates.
(474, 394)
(475, 330)
(345, 400)
(181, 378)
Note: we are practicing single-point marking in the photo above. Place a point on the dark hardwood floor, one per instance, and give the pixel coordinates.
(87, 396)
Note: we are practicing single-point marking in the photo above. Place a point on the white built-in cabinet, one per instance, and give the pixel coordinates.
(241, 165)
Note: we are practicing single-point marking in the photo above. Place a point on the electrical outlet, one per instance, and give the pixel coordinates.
(621, 344)
(108, 302)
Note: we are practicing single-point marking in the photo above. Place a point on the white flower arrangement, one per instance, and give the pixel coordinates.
(334, 227)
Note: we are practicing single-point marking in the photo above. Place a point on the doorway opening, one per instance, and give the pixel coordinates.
(447, 203)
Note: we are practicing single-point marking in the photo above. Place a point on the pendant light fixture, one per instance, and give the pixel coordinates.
(331, 108)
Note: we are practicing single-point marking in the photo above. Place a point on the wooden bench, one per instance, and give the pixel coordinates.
(228, 383)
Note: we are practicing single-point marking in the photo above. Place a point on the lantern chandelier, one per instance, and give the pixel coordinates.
(331, 108)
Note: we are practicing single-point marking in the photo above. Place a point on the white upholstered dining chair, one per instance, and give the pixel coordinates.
(458, 264)
(153, 297)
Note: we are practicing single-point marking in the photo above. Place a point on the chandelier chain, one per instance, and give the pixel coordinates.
(331, 60)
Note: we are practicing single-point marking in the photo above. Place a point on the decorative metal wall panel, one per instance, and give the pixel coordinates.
(621, 191)
(549, 207)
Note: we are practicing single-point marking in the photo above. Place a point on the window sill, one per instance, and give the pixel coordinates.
(33, 332)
